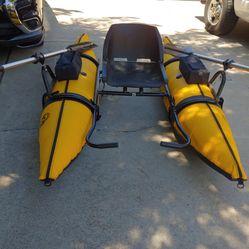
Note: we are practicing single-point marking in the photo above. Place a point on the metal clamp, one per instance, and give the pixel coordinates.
(40, 58)
(240, 184)
(227, 64)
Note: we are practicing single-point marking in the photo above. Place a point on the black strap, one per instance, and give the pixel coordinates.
(172, 60)
(51, 98)
(90, 58)
(45, 71)
(194, 100)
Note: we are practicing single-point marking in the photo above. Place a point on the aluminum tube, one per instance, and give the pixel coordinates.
(34, 59)
(207, 58)
(29, 60)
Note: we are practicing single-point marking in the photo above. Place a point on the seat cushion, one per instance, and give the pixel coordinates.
(134, 74)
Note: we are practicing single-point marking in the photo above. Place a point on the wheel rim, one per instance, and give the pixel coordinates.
(214, 11)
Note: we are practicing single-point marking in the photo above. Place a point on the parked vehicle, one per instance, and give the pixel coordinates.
(21, 23)
(221, 15)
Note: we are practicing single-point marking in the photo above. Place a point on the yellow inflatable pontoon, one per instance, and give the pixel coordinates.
(134, 57)
(202, 118)
(69, 118)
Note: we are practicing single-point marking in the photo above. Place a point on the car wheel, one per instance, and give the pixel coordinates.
(219, 16)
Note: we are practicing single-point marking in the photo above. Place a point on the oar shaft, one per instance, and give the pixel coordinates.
(208, 58)
(35, 58)
(15, 64)
(52, 54)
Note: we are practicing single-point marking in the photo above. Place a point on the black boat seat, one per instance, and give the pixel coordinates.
(133, 56)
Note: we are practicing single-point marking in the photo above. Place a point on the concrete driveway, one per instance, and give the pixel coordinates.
(140, 196)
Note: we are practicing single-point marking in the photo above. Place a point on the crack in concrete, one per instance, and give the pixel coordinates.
(129, 131)
(17, 129)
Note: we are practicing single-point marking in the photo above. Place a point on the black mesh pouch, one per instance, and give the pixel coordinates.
(68, 66)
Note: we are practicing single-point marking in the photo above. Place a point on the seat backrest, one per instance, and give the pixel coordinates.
(133, 41)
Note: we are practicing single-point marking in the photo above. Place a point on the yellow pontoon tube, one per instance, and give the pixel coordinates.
(68, 118)
(202, 118)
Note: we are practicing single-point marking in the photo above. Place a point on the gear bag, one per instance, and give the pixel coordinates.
(68, 66)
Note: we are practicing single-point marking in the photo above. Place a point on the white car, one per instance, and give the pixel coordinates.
(221, 15)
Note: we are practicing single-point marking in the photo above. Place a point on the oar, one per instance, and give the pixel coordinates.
(228, 63)
(41, 57)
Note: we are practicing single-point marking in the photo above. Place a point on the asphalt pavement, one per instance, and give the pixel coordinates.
(139, 196)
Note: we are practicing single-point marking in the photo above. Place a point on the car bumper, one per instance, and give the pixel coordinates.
(30, 39)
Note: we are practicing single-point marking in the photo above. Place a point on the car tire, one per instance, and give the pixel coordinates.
(219, 16)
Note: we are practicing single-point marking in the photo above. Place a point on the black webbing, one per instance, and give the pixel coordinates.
(90, 58)
(194, 100)
(51, 98)
(172, 60)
